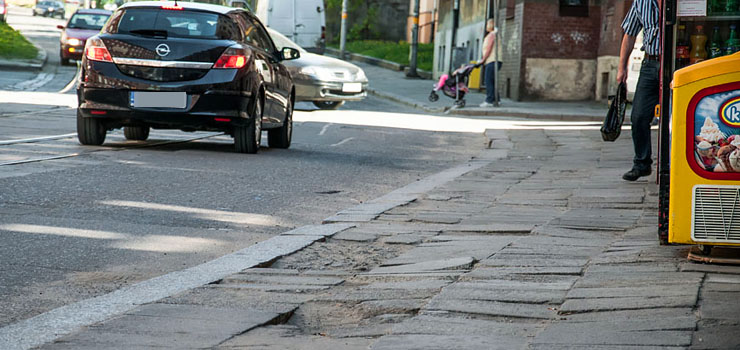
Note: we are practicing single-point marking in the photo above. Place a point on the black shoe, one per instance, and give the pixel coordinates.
(635, 174)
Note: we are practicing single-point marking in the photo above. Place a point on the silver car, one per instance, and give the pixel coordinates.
(325, 81)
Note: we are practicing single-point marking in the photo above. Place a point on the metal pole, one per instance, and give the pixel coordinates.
(495, 52)
(453, 39)
(343, 32)
(413, 49)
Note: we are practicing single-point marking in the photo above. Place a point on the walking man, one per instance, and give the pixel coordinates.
(489, 58)
(643, 15)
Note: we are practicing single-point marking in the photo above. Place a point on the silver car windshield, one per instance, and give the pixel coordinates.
(281, 41)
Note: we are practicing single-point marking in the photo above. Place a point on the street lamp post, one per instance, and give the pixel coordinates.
(343, 32)
(414, 48)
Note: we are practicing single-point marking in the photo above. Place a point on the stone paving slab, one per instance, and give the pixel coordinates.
(426, 266)
(492, 308)
(626, 303)
(584, 334)
(446, 342)
(286, 337)
(631, 279)
(283, 279)
(356, 236)
(531, 296)
(632, 291)
(500, 261)
(714, 335)
(498, 272)
(478, 249)
(452, 325)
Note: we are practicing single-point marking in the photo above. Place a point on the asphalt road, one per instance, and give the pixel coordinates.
(77, 222)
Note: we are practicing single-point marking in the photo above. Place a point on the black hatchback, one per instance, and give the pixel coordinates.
(187, 66)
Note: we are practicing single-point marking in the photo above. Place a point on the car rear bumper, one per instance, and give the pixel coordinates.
(326, 91)
(214, 102)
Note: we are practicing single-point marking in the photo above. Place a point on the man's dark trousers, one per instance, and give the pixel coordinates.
(490, 74)
(643, 110)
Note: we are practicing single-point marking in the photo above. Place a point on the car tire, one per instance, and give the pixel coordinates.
(247, 138)
(90, 131)
(281, 137)
(136, 133)
(328, 104)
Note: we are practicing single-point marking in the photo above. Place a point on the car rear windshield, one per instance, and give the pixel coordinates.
(174, 23)
(87, 21)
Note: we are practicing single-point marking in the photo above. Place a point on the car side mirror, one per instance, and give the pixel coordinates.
(59, 26)
(289, 53)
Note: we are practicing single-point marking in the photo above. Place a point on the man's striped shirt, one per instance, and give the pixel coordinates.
(644, 14)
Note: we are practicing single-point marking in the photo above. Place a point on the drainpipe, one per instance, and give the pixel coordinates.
(343, 32)
(414, 42)
(495, 51)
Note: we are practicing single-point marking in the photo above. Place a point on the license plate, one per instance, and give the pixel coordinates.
(149, 99)
(352, 87)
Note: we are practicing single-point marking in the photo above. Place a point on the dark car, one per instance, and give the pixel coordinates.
(82, 25)
(187, 66)
(49, 9)
(3, 11)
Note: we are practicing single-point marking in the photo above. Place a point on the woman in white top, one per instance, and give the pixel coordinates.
(489, 59)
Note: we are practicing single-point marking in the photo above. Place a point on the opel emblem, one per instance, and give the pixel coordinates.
(163, 50)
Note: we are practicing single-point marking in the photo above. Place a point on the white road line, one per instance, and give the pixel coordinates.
(343, 142)
(29, 85)
(37, 139)
(67, 319)
(323, 130)
(73, 82)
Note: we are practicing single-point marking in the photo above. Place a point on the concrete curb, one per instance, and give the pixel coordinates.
(32, 64)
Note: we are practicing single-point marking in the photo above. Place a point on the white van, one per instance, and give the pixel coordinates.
(302, 21)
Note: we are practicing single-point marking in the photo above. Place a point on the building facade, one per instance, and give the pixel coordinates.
(550, 49)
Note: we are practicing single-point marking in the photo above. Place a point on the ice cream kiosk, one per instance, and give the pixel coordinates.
(699, 145)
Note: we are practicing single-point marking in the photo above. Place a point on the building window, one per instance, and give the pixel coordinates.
(574, 8)
(510, 5)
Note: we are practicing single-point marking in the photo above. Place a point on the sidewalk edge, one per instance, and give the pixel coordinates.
(32, 64)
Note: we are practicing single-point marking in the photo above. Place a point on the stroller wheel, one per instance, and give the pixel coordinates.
(460, 103)
(433, 97)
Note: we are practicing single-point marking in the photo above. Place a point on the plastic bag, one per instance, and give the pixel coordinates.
(612, 126)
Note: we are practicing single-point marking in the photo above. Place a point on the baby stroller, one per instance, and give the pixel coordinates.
(454, 85)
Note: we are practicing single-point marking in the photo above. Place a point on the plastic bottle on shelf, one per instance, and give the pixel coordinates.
(682, 48)
(715, 47)
(698, 46)
(732, 44)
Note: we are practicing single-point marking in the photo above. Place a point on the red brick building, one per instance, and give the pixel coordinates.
(550, 49)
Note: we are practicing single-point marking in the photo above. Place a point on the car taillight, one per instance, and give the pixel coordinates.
(95, 50)
(233, 57)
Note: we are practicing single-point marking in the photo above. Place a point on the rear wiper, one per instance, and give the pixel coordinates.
(150, 32)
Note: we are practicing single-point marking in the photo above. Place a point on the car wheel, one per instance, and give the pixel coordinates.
(136, 133)
(90, 131)
(281, 137)
(247, 138)
(328, 104)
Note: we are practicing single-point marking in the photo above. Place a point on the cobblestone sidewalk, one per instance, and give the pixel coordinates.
(545, 247)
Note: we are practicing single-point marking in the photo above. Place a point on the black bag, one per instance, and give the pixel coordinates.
(615, 117)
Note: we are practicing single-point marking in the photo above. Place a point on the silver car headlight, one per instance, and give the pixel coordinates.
(361, 75)
(74, 42)
(317, 72)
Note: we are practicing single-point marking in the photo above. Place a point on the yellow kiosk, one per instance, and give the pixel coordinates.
(704, 206)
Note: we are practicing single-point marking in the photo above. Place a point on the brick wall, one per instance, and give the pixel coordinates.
(612, 14)
(546, 34)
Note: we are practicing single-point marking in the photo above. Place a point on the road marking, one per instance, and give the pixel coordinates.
(67, 319)
(37, 139)
(103, 148)
(343, 142)
(29, 85)
(323, 130)
(73, 82)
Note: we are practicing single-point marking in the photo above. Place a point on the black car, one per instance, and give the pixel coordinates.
(187, 66)
(49, 9)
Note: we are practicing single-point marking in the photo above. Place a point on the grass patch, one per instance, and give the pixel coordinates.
(393, 51)
(15, 45)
